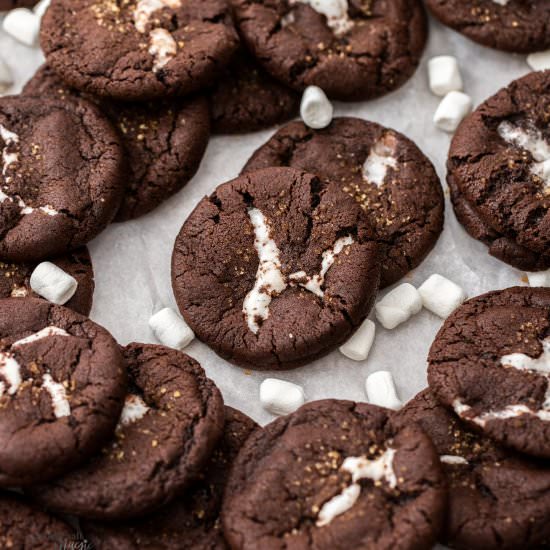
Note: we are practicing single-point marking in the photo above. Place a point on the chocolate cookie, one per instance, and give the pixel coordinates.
(499, 172)
(190, 522)
(61, 178)
(510, 25)
(164, 141)
(6, 5)
(23, 526)
(497, 498)
(353, 50)
(141, 49)
(15, 279)
(171, 421)
(386, 173)
(334, 475)
(275, 269)
(490, 363)
(247, 99)
(62, 385)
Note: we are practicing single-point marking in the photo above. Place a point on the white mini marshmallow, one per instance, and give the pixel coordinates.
(398, 306)
(40, 8)
(441, 296)
(52, 283)
(539, 278)
(454, 107)
(23, 25)
(381, 390)
(6, 77)
(444, 75)
(539, 61)
(358, 346)
(170, 329)
(316, 110)
(281, 397)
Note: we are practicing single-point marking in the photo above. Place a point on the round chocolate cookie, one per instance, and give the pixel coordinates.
(15, 279)
(497, 498)
(61, 178)
(275, 269)
(172, 419)
(386, 173)
(503, 248)
(247, 99)
(190, 522)
(510, 25)
(23, 526)
(164, 141)
(353, 50)
(490, 362)
(499, 168)
(334, 475)
(141, 49)
(62, 385)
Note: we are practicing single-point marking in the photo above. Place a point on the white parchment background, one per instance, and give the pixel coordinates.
(132, 260)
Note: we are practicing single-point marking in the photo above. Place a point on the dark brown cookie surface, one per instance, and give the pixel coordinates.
(171, 421)
(190, 522)
(15, 279)
(497, 498)
(333, 475)
(6, 5)
(62, 385)
(61, 179)
(23, 526)
(247, 99)
(139, 50)
(499, 161)
(164, 141)
(388, 176)
(275, 268)
(362, 50)
(490, 362)
(511, 25)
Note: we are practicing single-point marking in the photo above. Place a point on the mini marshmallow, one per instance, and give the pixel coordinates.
(381, 390)
(539, 61)
(441, 296)
(454, 107)
(281, 397)
(444, 75)
(358, 346)
(170, 329)
(6, 77)
(540, 278)
(23, 25)
(40, 8)
(52, 283)
(398, 306)
(316, 110)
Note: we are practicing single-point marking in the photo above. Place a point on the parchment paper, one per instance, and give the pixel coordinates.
(132, 260)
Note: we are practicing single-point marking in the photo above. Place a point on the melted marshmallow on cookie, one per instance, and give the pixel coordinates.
(380, 159)
(336, 12)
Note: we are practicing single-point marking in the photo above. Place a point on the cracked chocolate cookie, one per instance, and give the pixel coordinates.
(247, 99)
(497, 498)
(275, 269)
(172, 419)
(334, 475)
(353, 49)
(61, 178)
(385, 173)
(140, 49)
(510, 25)
(62, 386)
(490, 362)
(22, 526)
(190, 522)
(499, 173)
(164, 141)
(15, 279)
